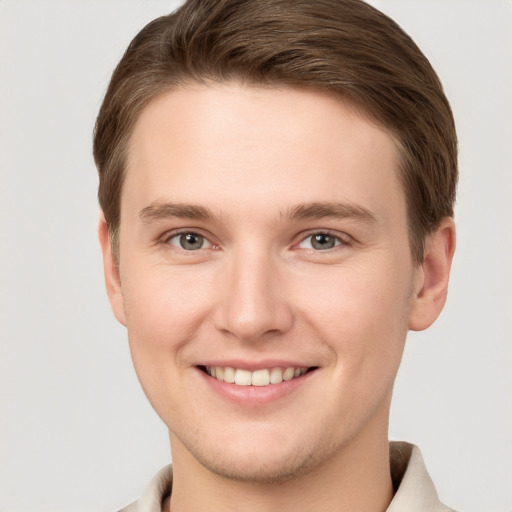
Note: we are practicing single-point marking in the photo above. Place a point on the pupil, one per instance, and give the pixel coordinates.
(322, 241)
(191, 241)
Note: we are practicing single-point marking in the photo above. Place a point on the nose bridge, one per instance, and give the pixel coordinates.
(253, 301)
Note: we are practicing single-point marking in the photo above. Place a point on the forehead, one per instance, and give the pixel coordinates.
(229, 143)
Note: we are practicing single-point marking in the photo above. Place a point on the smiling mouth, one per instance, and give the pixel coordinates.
(263, 377)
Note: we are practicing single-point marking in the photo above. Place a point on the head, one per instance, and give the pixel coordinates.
(277, 180)
(345, 48)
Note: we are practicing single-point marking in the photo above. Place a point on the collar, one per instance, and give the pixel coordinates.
(414, 489)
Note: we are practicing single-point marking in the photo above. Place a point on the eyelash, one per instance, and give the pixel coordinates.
(340, 241)
(345, 240)
(166, 239)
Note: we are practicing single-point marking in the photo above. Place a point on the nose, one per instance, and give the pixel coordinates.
(253, 304)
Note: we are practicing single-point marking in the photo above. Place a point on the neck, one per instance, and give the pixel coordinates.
(357, 477)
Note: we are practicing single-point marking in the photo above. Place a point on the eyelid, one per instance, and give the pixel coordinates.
(173, 233)
(342, 238)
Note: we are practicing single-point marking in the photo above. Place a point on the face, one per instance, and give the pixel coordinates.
(263, 240)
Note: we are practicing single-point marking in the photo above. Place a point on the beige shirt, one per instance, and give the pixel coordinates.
(415, 491)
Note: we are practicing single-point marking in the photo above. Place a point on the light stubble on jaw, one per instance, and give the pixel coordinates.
(265, 472)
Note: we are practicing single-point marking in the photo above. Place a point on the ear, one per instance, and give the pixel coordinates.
(111, 272)
(431, 283)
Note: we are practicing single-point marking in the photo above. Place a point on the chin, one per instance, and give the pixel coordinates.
(259, 459)
(252, 468)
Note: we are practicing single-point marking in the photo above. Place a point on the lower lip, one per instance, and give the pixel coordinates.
(255, 395)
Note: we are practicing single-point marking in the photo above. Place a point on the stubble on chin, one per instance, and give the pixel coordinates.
(261, 466)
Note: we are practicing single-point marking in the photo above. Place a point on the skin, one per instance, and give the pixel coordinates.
(257, 291)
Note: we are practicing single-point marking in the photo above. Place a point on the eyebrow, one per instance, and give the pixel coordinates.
(316, 210)
(160, 211)
(323, 210)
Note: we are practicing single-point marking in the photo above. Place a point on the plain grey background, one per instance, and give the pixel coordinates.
(76, 432)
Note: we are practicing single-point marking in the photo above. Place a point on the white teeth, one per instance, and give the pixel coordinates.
(276, 376)
(229, 375)
(242, 377)
(289, 373)
(262, 377)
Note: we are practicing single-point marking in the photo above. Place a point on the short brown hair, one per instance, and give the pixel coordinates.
(345, 47)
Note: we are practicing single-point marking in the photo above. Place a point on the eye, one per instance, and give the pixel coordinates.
(320, 242)
(189, 241)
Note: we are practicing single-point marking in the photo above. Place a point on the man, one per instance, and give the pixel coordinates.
(277, 181)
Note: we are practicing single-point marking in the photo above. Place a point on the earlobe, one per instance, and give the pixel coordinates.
(433, 276)
(111, 272)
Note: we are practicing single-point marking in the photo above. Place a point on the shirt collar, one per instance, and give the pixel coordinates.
(414, 489)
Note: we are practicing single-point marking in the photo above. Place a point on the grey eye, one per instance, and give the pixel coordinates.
(189, 241)
(320, 242)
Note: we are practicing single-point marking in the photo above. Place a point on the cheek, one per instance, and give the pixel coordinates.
(361, 312)
(164, 312)
(164, 306)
